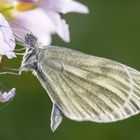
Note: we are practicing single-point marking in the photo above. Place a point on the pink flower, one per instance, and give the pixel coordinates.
(7, 42)
(7, 45)
(6, 96)
(43, 19)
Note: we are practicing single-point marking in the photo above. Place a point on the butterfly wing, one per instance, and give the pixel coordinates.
(85, 87)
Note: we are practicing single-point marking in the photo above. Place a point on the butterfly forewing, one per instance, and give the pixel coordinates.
(86, 87)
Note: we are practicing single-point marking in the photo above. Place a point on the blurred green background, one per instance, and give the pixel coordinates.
(111, 30)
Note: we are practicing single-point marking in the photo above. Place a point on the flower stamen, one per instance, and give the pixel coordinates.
(25, 6)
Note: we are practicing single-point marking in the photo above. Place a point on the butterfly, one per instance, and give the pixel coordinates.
(82, 87)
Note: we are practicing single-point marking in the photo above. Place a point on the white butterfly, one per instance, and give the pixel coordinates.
(83, 87)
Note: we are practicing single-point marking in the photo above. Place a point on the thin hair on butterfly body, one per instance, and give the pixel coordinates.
(83, 87)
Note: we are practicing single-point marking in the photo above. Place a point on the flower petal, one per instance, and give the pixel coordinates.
(43, 25)
(7, 42)
(44, 20)
(6, 96)
(61, 27)
(38, 23)
(65, 6)
(6, 50)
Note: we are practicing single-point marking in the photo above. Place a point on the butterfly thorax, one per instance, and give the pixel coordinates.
(30, 60)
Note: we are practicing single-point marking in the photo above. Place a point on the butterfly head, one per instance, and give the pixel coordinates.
(30, 57)
(31, 40)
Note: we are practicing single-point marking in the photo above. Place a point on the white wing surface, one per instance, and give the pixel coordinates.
(84, 87)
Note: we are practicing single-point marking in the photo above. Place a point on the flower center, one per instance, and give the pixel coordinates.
(4, 5)
(19, 6)
(25, 6)
(6, 8)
